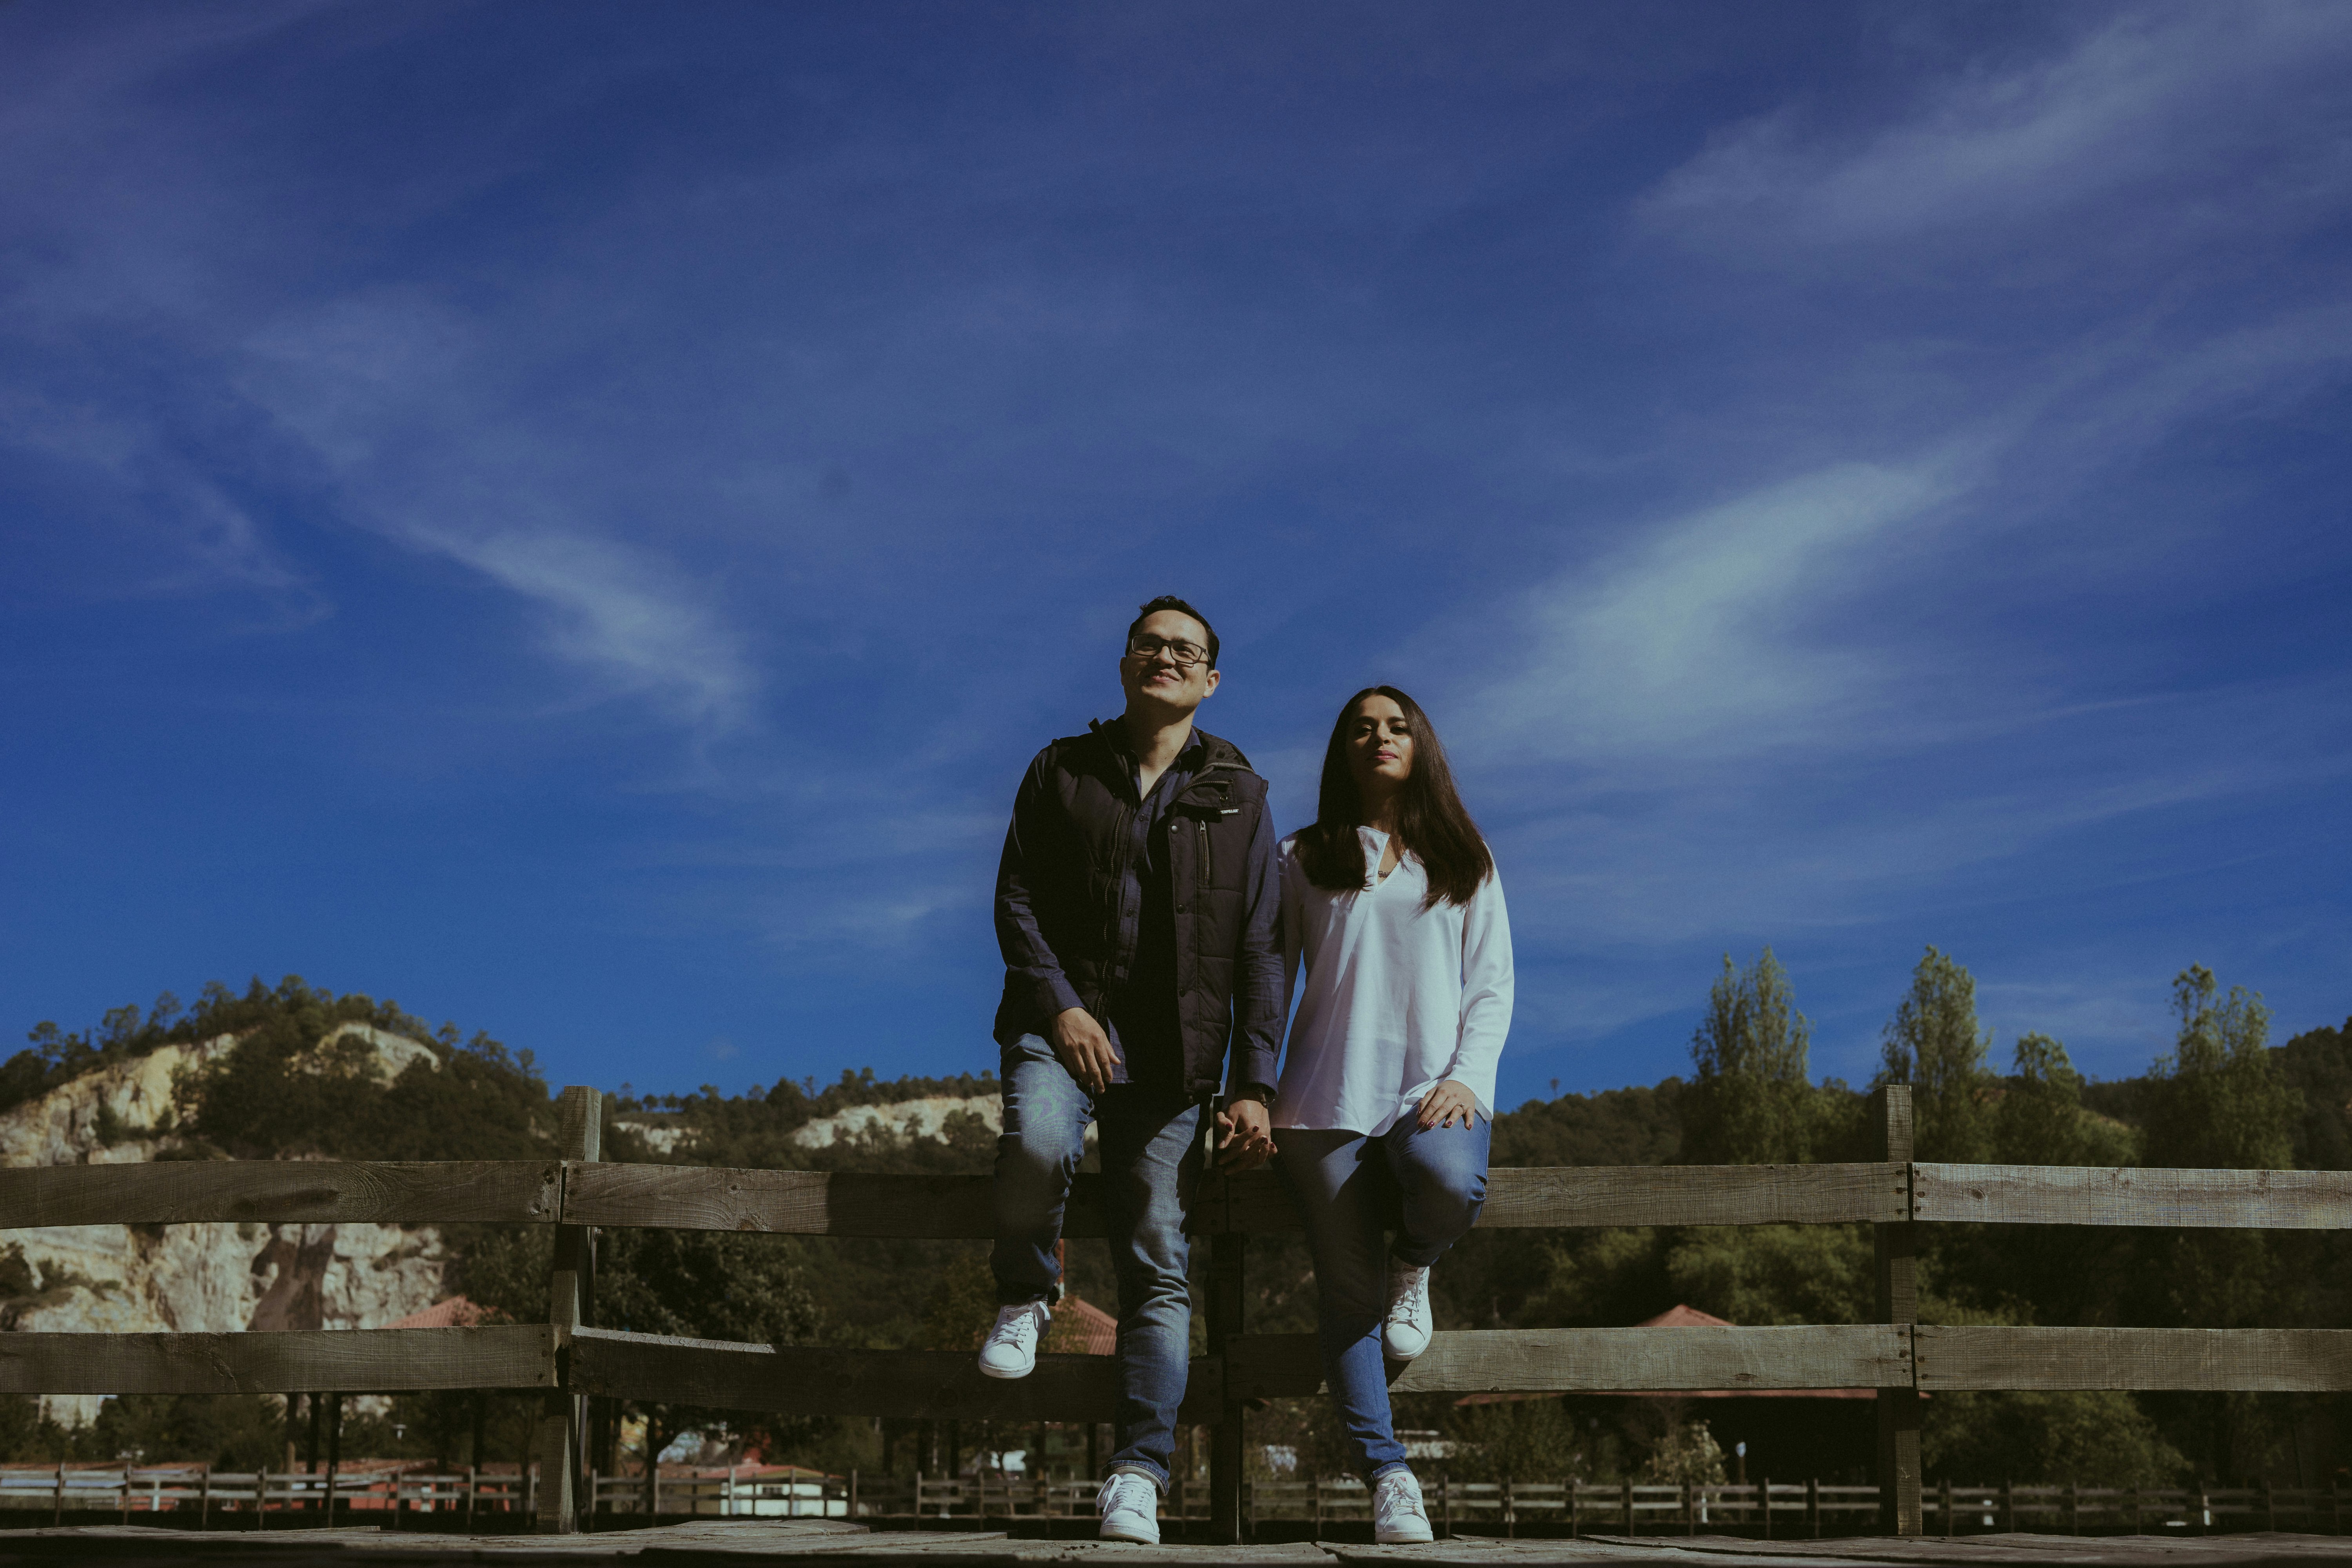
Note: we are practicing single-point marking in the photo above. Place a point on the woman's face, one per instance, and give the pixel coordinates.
(1379, 746)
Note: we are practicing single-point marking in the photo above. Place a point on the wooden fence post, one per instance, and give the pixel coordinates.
(1227, 1252)
(559, 1441)
(1764, 1500)
(1898, 1302)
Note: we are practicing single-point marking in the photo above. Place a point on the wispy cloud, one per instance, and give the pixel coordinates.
(392, 395)
(1710, 635)
(620, 614)
(2152, 96)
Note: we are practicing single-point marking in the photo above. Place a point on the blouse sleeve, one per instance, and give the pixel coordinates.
(1488, 990)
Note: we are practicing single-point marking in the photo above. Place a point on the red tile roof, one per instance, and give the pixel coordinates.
(456, 1313)
(1082, 1329)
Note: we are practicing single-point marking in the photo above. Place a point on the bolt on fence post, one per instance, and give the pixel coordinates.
(1898, 1302)
(558, 1441)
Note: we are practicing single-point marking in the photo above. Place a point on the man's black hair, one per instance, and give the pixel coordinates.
(1170, 602)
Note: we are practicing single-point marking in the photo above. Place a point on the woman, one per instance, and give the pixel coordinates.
(1391, 903)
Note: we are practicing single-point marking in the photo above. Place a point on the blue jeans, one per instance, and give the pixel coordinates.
(1347, 1188)
(1152, 1162)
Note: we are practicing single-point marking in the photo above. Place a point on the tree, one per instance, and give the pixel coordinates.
(1517, 1439)
(1751, 1102)
(2101, 1438)
(2041, 1121)
(1768, 1274)
(2219, 1100)
(1687, 1455)
(1934, 1045)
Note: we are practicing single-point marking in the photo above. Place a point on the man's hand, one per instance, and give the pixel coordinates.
(1084, 1048)
(1248, 1141)
(1449, 1100)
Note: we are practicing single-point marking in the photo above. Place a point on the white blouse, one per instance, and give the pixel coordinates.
(1397, 998)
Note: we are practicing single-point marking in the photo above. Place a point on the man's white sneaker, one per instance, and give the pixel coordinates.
(1406, 1334)
(1129, 1506)
(1397, 1513)
(1010, 1348)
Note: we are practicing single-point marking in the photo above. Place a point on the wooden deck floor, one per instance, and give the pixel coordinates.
(740, 1543)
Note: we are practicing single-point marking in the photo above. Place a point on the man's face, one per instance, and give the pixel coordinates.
(1158, 678)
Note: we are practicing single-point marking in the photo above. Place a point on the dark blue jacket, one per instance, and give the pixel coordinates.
(1069, 900)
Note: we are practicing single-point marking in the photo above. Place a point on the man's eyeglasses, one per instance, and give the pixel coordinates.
(1143, 645)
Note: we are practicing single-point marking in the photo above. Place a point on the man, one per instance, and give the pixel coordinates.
(1136, 905)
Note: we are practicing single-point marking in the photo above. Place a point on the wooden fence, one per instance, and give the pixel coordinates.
(568, 1361)
(476, 1499)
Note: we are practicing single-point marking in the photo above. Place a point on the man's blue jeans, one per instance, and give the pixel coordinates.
(1348, 1186)
(1152, 1162)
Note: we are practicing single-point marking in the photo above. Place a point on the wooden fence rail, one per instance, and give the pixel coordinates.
(571, 1361)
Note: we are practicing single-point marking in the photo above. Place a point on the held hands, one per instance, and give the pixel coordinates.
(1248, 1141)
(1449, 1100)
(1084, 1048)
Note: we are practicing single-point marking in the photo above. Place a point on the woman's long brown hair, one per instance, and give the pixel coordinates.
(1429, 816)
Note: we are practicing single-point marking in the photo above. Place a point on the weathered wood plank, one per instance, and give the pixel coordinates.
(2256, 1360)
(802, 1202)
(2134, 1195)
(820, 1203)
(373, 1360)
(1860, 1355)
(807, 1380)
(1577, 1196)
(312, 1192)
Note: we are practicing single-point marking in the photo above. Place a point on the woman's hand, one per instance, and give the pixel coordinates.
(1449, 1100)
(1248, 1141)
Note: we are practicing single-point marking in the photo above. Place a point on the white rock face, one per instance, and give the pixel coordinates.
(190, 1278)
(392, 1054)
(660, 1138)
(61, 1128)
(909, 1119)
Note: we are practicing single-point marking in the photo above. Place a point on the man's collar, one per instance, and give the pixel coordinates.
(1115, 733)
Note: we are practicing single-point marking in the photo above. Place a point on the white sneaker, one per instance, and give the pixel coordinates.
(1406, 1334)
(1011, 1350)
(1397, 1513)
(1129, 1506)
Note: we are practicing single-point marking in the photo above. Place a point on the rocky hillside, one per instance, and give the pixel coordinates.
(926, 1116)
(198, 1277)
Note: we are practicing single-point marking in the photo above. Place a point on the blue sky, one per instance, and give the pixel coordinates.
(572, 517)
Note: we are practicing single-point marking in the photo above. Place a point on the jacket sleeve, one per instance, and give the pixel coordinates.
(1029, 960)
(1260, 991)
(1488, 987)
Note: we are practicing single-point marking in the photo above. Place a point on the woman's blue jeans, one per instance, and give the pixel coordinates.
(1349, 1187)
(1150, 1164)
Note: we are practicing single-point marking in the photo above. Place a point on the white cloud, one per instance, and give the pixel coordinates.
(2153, 95)
(1706, 635)
(620, 612)
(396, 397)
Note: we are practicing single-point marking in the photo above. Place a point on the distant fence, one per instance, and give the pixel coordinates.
(201, 1497)
(567, 1360)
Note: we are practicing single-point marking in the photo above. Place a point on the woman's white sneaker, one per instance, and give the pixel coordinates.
(1406, 1333)
(1011, 1348)
(1397, 1513)
(1129, 1506)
